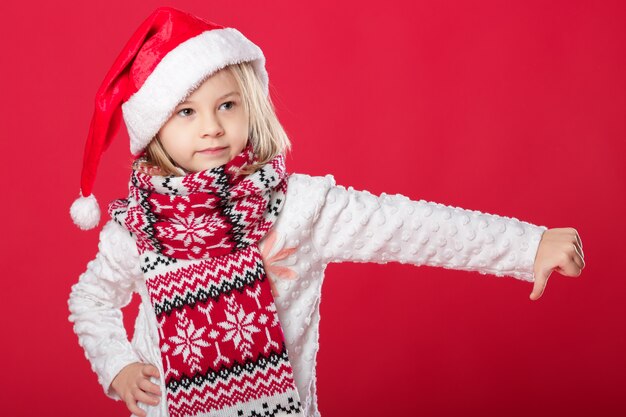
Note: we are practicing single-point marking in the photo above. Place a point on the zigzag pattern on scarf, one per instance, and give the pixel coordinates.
(211, 278)
(152, 263)
(250, 368)
(263, 407)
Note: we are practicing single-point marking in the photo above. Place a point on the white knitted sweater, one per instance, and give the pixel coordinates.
(325, 223)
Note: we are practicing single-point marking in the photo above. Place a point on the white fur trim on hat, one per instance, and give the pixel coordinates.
(179, 73)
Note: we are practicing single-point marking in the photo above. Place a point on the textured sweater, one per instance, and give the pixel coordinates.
(320, 223)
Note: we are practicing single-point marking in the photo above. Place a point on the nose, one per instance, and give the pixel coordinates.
(210, 126)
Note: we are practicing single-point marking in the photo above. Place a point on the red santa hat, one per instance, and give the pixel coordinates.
(167, 57)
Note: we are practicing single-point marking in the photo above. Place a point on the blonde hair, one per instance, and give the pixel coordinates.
(266, 134)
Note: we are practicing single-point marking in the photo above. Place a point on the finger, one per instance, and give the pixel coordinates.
(541, 279)
(148, 386)
(578, 258)
(579, 250)
(569, 267)
(579, 246)
(146, 398)
(150, 370)
(133, 408)
(580, 243)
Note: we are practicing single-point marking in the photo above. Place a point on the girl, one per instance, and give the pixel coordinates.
(212, 213)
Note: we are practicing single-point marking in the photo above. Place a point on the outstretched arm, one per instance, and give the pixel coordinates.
(357, 226)
(95, 304)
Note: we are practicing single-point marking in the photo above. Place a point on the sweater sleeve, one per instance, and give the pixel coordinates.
(96, 300)
(357, 226)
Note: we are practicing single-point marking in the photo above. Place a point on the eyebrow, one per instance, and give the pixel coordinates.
(218, 99)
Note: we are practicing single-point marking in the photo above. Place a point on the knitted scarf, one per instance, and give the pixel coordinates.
(222, 346)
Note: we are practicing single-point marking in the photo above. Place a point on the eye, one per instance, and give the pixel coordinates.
(229, 105)
(185, 112)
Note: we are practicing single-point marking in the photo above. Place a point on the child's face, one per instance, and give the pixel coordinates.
(208, 129)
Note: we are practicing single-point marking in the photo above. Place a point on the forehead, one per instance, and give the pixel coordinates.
(217, 84)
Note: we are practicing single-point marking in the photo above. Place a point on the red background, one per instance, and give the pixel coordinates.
(513, 108)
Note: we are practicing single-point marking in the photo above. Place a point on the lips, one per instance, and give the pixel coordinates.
(213, 150)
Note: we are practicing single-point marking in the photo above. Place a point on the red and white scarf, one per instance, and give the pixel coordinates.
(222, 345)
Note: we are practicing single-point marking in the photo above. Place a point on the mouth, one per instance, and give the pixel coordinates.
(213, 151)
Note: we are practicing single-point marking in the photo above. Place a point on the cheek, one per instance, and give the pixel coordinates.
(241, 130)
(169, 146)
(244, 133)
(244, 139)
(175, 139)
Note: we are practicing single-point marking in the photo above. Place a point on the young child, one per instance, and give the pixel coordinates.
(212, 212)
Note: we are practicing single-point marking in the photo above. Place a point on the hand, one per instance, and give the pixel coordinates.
(559, 249)
(133, 384)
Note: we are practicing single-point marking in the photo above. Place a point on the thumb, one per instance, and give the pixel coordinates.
(541, 278)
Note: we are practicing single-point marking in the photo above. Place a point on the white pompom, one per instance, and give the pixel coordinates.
(85, 212)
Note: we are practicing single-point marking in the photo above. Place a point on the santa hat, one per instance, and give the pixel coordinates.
(167, 57)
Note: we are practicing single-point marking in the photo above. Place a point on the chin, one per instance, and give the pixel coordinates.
(213, 163)
(210, 166)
